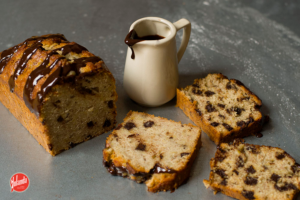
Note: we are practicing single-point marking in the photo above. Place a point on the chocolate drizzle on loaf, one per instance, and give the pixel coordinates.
(43, 70)
(6, 55)
(22, 64)
(59, 74)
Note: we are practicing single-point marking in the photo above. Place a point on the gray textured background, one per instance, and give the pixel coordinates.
(257, 42)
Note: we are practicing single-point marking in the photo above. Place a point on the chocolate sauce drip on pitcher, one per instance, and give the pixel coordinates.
(132, 38)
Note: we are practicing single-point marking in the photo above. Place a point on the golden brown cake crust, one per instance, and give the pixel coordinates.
(157, 171)
(190, 109)
(60, 54)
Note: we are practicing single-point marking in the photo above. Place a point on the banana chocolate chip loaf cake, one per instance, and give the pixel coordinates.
(246, 171)
(224, 109)
(154, 150)
(58, 90)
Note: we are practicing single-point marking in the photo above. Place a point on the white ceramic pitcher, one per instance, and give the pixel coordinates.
(151, 78)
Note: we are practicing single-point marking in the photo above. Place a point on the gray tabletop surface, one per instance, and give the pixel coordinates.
(257, 42)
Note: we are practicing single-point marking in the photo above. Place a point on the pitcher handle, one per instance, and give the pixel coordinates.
(186, 24)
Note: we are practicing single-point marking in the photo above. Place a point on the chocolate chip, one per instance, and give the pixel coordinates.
(209, 93)
(60, 119)
(118, 127)
(240, 162)
(210, 108)
(252, 149)
(237, 110)
(275, 177)
(107, 123)
(295, 167)
(280, 156)
(245, 98)
(161, 156)
(195, 85)
(285, 187)
(250, 180)
(115, 135)
(241, 123)
(248, 194)
(220, 158)
(221, 150)
(90, 124)
(50, 146)
(238, 82)
(228, 111)
(224, 182)
(72, 144)
(110, 104)
(184, 154)
(250, 170)
(198, 111)
(148, 124)
(250, 120)
(196, 91)
(221, 105)
(222, 116)
(129, 125)
(171, 138)
(228, 86)
(215, 124)
(130, 136)
(257, 107)
(221, 172)
(236, 172)
(141, 147)
(228, 127)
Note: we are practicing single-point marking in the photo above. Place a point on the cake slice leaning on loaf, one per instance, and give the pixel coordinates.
(58, 90)
(246, 171)
(224, 109)
(153, 150)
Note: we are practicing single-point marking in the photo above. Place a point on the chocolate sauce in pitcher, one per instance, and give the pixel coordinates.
(132, 38)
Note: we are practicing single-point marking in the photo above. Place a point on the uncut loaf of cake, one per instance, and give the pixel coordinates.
(154, 150)
(224, 109)
(246, 171)
(58, 90)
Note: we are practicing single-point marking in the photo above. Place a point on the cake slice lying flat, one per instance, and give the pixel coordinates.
(245, 171)
(154, 150)
(224, 109)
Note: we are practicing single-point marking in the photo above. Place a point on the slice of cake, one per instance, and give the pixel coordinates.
(245, 171)
(224, 109)
(154, 150)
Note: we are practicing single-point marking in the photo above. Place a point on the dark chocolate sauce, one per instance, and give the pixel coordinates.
(259, 135)
(22, 64)
(132, 38)
(123, 171)
(58, 75)
(43, 70)
(7, 54)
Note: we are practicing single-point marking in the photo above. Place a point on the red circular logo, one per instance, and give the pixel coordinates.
(19, 182)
